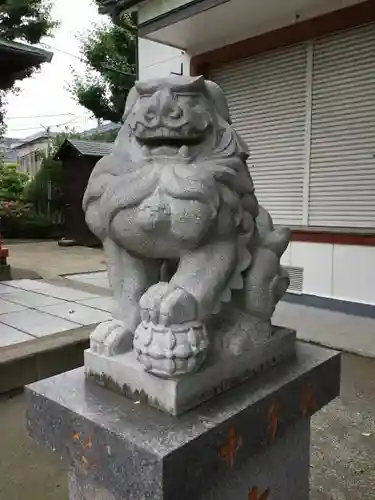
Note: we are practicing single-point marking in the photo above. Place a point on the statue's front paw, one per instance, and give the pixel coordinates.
(178, 307)
(151, 300)
(111, 338)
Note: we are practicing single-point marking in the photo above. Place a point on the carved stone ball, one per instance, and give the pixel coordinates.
(169, 351)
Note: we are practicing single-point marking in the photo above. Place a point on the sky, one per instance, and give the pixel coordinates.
(45, 93)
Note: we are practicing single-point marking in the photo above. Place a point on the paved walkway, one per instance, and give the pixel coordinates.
(340, 331)
(31, 309)
(45, 259)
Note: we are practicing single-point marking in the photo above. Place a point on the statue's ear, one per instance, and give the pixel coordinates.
(219, 100)
(130, 101)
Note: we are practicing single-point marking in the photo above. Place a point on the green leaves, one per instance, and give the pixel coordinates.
(109, 53)
(26, 20)
(12, 183)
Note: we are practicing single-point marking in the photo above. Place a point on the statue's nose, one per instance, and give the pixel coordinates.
(170, 107)
(163, 105)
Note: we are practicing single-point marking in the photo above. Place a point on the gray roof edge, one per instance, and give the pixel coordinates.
(42, 54)
(88, 148)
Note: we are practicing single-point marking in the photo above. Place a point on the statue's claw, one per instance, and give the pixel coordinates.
(113, 337)
(178, 307)
(167, 305)
(151, 300)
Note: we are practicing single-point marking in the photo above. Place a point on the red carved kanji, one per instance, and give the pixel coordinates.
(229, 450)
(254, 494)
(308, 401)
(273, 415)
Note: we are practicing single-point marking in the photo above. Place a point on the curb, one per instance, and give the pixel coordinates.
(31, 361)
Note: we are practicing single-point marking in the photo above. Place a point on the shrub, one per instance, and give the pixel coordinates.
(18, 220)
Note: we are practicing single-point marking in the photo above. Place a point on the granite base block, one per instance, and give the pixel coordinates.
(125, 375)
(249, 441)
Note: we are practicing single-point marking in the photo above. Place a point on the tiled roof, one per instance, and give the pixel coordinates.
(91, 148)
(106, 127)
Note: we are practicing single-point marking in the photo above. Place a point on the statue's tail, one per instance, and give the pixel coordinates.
(266, 281)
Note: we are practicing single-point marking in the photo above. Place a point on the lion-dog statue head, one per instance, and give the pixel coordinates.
(177, 174)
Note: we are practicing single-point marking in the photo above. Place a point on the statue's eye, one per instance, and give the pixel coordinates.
(192, 100)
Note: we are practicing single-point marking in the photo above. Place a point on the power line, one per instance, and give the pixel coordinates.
(37, 116)
(46, 45)
(105, 66)
(57, 125)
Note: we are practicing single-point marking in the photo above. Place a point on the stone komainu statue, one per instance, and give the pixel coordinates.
(183, 233)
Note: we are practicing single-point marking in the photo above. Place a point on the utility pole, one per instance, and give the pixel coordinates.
(49, 183)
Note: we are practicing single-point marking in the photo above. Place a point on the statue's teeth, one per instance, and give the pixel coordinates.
(184, 151)
(146, 151)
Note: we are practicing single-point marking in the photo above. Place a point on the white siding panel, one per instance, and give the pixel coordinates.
(267, 100)
(342, 162)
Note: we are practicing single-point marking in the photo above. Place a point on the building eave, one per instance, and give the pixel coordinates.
(16, 57)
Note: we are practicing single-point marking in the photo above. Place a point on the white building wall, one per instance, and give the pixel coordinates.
(28, 159)
(343, 272)
(158, 60)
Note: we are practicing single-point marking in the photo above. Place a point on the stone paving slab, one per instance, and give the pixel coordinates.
(37, 323)
(43, 288)
(10, 336)
(8, 307)
(102, 303)
(31, 309)
(30, 299)
(44, 330)
(98, 279)
(78, 313)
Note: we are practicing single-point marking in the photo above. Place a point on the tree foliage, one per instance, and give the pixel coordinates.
(109, 53)
(26, 20)
(12, 183)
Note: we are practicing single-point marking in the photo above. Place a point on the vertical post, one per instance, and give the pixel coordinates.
(4, 252)
(306, 176)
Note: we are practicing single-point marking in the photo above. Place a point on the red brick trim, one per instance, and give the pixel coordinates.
(339, 20)
(344, 238)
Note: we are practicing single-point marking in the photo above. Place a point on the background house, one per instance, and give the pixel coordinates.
(299, 76)
(78, 158)
(30, 151)
(7, 144)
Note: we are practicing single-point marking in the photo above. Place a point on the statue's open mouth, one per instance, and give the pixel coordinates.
(175, 138)
(172, 142)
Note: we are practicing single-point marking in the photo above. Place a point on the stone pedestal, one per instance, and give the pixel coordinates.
(248, 443)
(175, 395)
